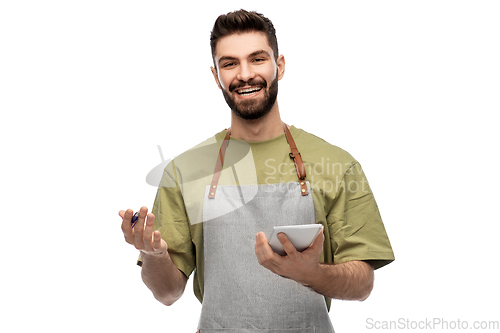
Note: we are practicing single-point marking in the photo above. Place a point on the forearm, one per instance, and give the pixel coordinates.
(352, 280)
(163, 278)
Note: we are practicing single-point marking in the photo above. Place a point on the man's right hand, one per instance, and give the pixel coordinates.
(142, 235)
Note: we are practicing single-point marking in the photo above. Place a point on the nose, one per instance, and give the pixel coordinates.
(246, 72)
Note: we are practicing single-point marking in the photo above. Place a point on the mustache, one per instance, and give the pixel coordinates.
(251, 82)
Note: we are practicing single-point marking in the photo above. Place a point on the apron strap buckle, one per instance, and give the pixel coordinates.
(297, 160)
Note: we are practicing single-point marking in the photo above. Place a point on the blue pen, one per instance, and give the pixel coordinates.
(134, 219)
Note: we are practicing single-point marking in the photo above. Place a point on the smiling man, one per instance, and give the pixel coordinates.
(245, 286)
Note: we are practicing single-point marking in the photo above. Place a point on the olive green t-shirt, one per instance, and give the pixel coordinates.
(343, 201)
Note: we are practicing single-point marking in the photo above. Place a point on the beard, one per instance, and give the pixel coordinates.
(250, 109)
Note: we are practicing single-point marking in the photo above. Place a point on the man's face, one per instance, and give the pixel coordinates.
(247, 73)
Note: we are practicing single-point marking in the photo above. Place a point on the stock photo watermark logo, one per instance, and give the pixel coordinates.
(431, 324)
(153, 177)
(194, 162)
(325, 176)
(192, 172)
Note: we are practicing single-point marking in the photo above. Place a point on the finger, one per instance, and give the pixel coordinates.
(126, 227)
(148, 232)
(143, 212)
(265, 254)
(263, 246)
(157, 241)
(139, 229)
(287, 245)
(259, 251)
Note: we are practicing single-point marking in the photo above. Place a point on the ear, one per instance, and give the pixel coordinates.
(216, 77)
(280, 62)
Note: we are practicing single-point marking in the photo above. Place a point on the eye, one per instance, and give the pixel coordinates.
(229, 64)
(259, 59)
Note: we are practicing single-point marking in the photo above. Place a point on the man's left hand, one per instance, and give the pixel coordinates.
(298, 266)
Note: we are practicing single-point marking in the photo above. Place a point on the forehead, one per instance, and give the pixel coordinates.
(241, 45)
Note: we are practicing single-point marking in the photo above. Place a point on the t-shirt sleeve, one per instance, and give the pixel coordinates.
(356, 228)
(172, 221)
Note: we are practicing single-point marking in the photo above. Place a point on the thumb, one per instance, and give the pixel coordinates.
(318, 242)
(158, 243)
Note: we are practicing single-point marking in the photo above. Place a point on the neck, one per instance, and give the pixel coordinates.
(264, 128)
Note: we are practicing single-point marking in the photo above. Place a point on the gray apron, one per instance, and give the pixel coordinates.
(240, 295)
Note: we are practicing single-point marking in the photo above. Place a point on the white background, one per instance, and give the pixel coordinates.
(89, 89)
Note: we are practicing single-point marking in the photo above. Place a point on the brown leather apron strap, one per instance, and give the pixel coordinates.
(297, 160)
(218, 165)
(294, 154)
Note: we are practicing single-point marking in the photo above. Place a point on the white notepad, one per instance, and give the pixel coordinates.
(301, 236)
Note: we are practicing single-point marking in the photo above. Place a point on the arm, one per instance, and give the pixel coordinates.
(159, 273)
(348, 281)
(352, 280)
(162, 277)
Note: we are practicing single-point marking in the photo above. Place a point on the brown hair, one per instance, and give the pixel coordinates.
(243, 21)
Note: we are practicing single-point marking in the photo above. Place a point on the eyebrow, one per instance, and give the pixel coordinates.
(253, 54)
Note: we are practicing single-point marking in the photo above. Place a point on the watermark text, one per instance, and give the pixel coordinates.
(431, 324)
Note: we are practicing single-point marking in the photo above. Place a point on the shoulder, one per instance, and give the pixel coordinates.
(196, 159)
(315, 148)
(202, 150)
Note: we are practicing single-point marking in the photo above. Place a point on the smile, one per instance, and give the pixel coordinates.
(248, 91)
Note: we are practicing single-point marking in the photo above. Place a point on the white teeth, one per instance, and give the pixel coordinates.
(248, 90)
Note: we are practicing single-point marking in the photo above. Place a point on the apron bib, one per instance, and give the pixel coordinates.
(240, 295)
